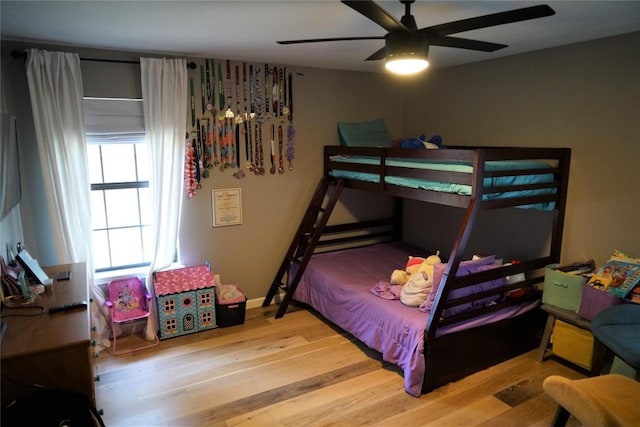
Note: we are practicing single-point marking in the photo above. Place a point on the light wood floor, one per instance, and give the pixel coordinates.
(300, 371)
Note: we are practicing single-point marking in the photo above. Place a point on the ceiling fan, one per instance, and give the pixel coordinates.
(408, 45)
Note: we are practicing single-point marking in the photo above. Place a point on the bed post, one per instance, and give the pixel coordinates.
(452, 267)
(398, 212)
(460, 244)
(561, 204)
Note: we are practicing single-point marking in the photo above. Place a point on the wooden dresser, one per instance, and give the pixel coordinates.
(52, 350)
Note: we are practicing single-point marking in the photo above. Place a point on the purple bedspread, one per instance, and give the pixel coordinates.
(338, 285)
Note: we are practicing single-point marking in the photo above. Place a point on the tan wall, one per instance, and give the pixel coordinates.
(584, 96)
(248, 254)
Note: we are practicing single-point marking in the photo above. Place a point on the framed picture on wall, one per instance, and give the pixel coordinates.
(226, 205)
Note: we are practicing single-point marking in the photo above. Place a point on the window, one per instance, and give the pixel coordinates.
(119, 178)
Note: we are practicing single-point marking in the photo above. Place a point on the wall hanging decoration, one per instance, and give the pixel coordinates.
(226, 205)
(239, 103)
(190, 182)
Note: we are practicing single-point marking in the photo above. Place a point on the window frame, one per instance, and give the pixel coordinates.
(117, 121)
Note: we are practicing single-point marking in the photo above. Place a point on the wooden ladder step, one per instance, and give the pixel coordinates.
(303, 243)
(294, 260)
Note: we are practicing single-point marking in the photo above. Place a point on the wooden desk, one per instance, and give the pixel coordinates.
(53, 350)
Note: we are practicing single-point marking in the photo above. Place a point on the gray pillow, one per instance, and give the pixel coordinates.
(364, 134)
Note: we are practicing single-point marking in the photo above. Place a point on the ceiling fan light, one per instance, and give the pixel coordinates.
(406, 64)
(406, 53)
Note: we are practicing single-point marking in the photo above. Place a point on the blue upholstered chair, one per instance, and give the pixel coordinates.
(610, 400)
(617, 331)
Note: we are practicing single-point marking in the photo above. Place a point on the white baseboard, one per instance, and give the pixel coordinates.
(257, 302)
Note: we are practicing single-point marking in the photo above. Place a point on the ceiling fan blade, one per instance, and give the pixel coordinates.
(491, 20)
(335, 39)
(461, 43)
(377, 55)
(377, 14)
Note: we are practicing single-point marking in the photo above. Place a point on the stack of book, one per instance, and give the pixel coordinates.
(619, 276)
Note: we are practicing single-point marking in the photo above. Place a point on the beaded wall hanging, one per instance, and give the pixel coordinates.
(244, 111)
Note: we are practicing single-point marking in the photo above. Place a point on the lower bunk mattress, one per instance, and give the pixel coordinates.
(339, 286)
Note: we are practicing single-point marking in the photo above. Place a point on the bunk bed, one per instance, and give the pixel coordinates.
(478, 313)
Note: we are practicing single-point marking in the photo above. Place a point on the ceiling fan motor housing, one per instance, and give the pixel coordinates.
(402, 44)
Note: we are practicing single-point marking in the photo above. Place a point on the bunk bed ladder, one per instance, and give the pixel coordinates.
(304, 242)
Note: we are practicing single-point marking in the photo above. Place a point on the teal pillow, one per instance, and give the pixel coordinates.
(364, 134)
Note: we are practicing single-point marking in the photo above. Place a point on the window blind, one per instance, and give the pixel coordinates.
(114, 121)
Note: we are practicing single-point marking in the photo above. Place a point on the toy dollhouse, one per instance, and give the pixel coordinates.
(186, 300)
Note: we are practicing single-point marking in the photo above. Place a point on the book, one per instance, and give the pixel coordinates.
(579, 268)
(617, 277)
(635, 295)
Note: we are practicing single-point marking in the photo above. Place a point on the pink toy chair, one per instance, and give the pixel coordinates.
(127, 301)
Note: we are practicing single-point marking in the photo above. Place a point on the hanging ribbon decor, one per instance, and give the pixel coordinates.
(211, 112)
(189, 169)
(263, 98)
(291, 132)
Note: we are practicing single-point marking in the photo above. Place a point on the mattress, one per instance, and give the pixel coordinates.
(453, 166)
(338, 285)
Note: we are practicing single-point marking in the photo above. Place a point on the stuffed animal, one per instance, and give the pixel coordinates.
(427, 265)
(416, 290)
(400, 277)
(414, 264)
(434, 142)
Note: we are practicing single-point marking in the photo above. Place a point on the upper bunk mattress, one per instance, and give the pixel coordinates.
(452, 166)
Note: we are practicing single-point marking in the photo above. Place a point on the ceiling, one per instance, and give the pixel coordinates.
(248, 30)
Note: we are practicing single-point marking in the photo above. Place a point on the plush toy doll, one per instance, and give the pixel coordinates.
(428, 263)
(400, 277)
(434, 142)
(417, 288)
(414, 264)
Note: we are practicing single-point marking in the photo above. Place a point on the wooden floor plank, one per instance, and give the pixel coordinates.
(319, 405)
(470, 415)
(301, 371)
(285, 393)
(260, 378)
(237, 380)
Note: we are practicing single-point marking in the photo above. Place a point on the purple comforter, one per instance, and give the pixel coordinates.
(338, 285)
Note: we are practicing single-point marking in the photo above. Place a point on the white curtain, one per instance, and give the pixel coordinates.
(10, 192)
(164, 93)
(55, 88)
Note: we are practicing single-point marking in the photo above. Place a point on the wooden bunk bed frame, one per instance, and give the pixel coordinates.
(446, 357)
